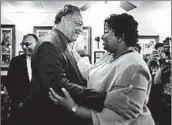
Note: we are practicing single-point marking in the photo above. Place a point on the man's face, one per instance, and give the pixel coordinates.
(161, 51)
(75, 26)
(154, 69)
(28, 45)
(110, 42)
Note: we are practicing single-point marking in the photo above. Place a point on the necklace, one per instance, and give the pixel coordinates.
(124, 52)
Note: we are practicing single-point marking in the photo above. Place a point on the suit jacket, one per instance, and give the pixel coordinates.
(17, 81)
(54, 66)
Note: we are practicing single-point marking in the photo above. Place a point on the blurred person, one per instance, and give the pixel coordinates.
(120, 67)
(153, 67)
(157, 53)
(160, 48)
(53, 65)
(19, 78)
(160, 96)
(156, 59)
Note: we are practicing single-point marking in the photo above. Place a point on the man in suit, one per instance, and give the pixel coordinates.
(19, 78)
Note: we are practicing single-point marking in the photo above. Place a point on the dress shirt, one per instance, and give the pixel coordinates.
(28, 60)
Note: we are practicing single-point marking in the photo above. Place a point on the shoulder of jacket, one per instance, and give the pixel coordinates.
(18, 57)
(52, 38)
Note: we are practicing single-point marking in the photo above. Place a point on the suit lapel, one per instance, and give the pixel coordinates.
(68, 54)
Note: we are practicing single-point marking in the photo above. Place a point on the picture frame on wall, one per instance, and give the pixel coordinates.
(147, 44)
(41, 31)
(98, 55)
(83, 44)
(7, 45)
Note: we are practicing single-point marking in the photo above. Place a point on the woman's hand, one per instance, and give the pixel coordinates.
(67, 102)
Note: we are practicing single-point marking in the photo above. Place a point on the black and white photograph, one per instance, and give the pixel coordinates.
(85, 62)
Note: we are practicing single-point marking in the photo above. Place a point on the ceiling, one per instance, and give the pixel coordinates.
(45, 6)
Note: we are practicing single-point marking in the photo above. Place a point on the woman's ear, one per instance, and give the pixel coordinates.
(121, 39)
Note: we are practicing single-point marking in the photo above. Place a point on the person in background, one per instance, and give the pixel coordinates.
(160, 48)
(19, 77)
(157, 54)
(160, 96)
(153, 67)
(156, 58)
(53, 65)
(120, 67)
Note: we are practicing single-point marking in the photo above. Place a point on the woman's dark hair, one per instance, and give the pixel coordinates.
(67, 10)
(124, 26)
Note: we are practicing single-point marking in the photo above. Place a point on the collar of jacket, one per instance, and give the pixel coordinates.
(65, 39)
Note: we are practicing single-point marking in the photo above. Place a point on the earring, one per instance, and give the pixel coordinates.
(119, 40)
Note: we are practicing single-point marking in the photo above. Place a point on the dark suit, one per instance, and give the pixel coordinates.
(53, 66)
(17, 84)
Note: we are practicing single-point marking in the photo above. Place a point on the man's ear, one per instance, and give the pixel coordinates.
(63, 19)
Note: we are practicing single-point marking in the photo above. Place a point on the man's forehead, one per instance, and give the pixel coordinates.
(161, 47)
(29, 38)
(77, 16)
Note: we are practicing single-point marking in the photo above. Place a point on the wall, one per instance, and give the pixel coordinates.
(95, 16)
(24, 23)
(154, 19)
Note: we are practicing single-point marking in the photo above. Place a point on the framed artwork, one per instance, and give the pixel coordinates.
(147, 43)
(41, 31)
(7, 45)
(98, 55)
(83, 43)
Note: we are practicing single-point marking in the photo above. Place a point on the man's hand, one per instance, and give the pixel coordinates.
(67, 102)
(122, 104)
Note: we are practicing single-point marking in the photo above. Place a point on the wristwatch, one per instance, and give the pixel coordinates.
(74, 108)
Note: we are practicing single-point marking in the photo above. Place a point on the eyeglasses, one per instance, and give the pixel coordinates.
(25, 44)
(79, 24)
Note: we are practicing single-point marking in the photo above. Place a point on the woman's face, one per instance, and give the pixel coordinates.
(110, 42)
